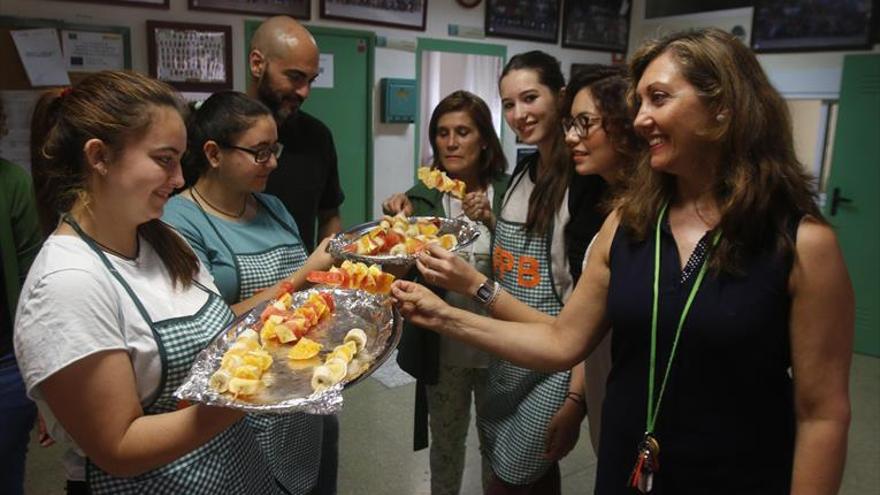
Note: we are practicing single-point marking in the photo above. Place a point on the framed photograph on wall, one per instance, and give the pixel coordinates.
(601, 25)
(406, 14)
(155, 4)
(190, 57)
(301, 9)
(536, 20)
(786, 26)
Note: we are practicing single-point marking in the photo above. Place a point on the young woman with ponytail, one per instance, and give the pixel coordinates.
(117, 305)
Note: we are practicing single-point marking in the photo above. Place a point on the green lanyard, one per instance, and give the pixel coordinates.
(654, 410)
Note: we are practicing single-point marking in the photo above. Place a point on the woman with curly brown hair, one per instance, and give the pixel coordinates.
(730, 301)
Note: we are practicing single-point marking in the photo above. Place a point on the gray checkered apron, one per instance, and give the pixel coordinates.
(231, 462)
(519, 402)
(290, 442)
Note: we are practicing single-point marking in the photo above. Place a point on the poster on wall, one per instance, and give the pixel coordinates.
(190, 57)
(601, 25)
(784, 26)
(301, 9)
(407, 14)
(86, 51)
(536, 20)
(157, 4)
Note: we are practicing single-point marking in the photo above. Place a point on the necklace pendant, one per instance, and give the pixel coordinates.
(647, 463)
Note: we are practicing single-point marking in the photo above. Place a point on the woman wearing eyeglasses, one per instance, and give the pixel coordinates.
(250, 244)
(601, 141)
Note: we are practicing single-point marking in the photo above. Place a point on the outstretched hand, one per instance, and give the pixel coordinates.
(320, 259)
(418, 304)
(396, 203)
(445, 269)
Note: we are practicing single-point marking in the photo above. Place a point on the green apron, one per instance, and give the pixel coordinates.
(519, 402)
(231, 462)
(290, 442)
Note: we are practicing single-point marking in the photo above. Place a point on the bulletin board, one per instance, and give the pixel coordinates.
(13, 75)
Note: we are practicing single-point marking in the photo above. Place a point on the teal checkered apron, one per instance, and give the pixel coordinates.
(231, 462)
(519, 402)
(290, 442)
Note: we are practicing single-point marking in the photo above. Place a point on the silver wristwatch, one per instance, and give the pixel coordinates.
(487, 292)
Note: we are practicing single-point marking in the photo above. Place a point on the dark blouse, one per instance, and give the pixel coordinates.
(726, 424)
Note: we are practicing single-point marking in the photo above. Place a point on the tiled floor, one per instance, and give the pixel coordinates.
(376, 438)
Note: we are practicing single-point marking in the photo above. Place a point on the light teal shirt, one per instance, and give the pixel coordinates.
(268, 230)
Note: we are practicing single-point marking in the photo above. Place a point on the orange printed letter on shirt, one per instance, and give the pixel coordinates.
(528, 271)
(502, 262)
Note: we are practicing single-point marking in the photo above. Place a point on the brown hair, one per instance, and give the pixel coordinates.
(492, 160)
(759, 177)
(551, 185)
(115, 107)
(609, 85)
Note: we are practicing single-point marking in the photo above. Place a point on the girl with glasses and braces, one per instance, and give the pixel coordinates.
(250, 244)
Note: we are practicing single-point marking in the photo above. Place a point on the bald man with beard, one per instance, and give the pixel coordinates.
(283, 63)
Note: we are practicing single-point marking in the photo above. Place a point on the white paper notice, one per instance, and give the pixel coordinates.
(325, 71)
(19, 106)
(40, 53)
(86, 51)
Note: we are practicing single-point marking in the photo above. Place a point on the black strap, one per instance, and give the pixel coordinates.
(420, 418)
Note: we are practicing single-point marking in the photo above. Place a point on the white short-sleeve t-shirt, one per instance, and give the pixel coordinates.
(72, 307)
(516, 209)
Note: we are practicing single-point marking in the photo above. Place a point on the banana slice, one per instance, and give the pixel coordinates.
(338, 368)
(243, 386)
(343, 352)
(358, 336)
(322, 378)
(220, 381)
(247, 371)
(398, 250)
(231, 361)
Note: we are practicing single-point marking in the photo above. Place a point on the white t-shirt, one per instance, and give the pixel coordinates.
(516, 209)
(71, 307)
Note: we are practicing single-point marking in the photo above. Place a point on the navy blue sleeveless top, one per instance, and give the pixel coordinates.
(726, 424)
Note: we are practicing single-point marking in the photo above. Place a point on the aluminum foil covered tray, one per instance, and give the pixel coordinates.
(464, 231)
(289, 382)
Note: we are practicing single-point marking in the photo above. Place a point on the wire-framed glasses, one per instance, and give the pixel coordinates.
(582, 124)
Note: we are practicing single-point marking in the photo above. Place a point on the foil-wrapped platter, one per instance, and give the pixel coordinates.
(289, 388)
(465, 232)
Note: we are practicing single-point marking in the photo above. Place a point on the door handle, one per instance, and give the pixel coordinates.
(837, 199)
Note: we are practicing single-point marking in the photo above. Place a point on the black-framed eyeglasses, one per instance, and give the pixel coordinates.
(582, 124)
(261, 155)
